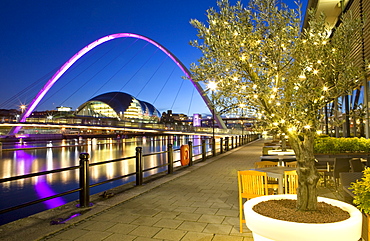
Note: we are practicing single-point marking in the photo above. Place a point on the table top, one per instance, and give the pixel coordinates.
(276, 170)
(281, 153)
(277, 157)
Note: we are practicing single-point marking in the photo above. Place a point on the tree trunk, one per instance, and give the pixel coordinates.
(307, 172)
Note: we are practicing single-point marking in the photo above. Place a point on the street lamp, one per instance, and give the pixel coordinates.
(23, 107)
(212, 85)
(242, 107)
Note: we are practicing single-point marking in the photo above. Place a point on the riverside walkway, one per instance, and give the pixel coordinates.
(199, 203)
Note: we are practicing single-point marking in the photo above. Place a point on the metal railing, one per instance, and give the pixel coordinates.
(84, 167)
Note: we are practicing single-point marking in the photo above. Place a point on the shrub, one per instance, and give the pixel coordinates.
(332, 145)
(361, 189)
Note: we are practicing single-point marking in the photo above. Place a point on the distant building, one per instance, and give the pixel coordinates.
(119, 105)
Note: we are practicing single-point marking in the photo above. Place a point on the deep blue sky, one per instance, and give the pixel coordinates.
(38, 36)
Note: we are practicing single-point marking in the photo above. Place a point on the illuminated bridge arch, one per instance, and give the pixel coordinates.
(94, 44)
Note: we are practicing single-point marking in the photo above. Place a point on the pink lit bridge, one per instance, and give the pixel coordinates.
(40, 95)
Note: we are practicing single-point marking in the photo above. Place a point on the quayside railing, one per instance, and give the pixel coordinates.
(225, 144)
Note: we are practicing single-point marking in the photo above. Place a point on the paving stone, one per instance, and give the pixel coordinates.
(219, 237)
(170, 234)
(168, 223)
(192, 226)
(122, 228)
(93, 236)
(99, 226)
(145, 231)
(191, 236)
(120, 237)
(205, 218)
(148, 221)
(71, 234)
(189, 216)
(217, 228)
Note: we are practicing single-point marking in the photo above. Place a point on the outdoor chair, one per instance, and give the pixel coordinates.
(271, 182)
(340, 165)
(291, 164)
(250, 184)
(290, 182)
(262, 164)
(356, 165)
(346, 178)
(265, 150)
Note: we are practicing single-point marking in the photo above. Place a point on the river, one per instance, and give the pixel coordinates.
(25, 161)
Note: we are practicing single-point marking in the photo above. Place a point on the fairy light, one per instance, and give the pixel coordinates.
(315, 71)
(307, 127)
(292, 129)
(325, 88)
(302, 76)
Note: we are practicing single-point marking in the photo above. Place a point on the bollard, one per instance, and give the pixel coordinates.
(84, 180)
(213, 146)
(227, 143)
(232, 142)
(221, 145)
(190, 143)
(204, 154)
(170, 158)
(139, 166)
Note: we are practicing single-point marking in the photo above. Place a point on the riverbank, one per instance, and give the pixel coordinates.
(198, 202)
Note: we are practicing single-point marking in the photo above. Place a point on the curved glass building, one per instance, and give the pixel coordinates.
(119, 105)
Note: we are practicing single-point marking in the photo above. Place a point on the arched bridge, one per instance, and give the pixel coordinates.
(36, 100)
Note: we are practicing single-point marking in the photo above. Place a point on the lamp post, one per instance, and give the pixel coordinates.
(242, 107)
(212, 85)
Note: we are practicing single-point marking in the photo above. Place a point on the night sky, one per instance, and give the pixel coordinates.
(39, 36)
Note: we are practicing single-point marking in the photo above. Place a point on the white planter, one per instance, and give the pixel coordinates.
(269, 229)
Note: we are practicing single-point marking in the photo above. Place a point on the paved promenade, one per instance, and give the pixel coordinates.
(198, 203)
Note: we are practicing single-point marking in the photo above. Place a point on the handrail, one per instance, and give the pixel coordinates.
(203, 153)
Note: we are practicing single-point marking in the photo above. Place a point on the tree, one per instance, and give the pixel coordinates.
(258, 55)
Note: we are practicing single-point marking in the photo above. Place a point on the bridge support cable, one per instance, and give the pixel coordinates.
(91, 46)
(120, 69)
(177, 94)
(151, 77)
(138, 70)
(191, 102)
(159, 93)
(89, 66)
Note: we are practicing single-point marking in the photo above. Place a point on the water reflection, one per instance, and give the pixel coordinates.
(20, 162)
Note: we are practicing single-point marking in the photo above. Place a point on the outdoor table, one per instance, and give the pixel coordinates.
(288, 152)
(281, 159)
(276, 172)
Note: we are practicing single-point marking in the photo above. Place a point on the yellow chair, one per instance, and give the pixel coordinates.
(271, 182)
(262, 164)
(291, 164)
(250, 184)
(290, 182)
